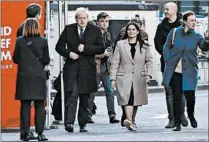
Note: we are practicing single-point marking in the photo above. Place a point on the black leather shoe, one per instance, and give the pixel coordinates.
(177, 127)
(21, 136)
(193, 122)
(170, 124)
(114, 120)
(69, 128)
(26, 137)
(90, 120)
(94, 109)
(83, 129)
(184, 120)
(41, 137)
(31, 136)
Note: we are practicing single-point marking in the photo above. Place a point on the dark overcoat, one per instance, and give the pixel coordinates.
(84, 68)
(31, 79)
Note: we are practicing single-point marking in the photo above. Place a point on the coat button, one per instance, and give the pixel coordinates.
(183, 60)
(132, 72)
(184, 68)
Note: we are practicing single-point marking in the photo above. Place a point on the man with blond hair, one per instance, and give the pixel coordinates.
(83, 41)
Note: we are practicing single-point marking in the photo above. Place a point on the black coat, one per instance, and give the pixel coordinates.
(84, 69)
(161, 35)
(31, 80)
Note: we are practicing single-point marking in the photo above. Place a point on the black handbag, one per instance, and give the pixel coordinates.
(38, 57)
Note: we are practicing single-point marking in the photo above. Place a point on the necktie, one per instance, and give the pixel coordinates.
(81, 33)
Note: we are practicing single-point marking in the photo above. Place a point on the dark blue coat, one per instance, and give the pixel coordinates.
(185, 47)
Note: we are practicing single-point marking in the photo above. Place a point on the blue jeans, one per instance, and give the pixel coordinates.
(105, 78)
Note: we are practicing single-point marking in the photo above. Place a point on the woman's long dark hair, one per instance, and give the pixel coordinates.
(139, 38)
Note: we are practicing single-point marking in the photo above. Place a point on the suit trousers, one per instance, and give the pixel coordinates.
(176, 84)
(71, 99)
(25, 112)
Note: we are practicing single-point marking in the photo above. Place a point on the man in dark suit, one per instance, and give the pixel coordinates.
(33, 11)
(83, 42)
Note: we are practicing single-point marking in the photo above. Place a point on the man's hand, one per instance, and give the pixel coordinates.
(81, 48)
(73, 56)
(147, 79)
(107, 54)
(113, 83)
(100, 56)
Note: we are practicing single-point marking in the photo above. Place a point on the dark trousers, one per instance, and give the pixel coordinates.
(25, 112)
(176, 84)
(170, 102)
(105, 78)
(71, 99)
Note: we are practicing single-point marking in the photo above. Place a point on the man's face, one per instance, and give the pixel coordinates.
(103, 23)
(82, 20)
(168, 11)
(191, 22)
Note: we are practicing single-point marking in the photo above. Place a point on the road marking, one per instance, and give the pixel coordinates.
(161, 116)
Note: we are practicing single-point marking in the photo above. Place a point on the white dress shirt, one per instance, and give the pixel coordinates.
(79, 28)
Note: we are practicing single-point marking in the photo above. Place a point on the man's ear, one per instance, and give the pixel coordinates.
(38, 16)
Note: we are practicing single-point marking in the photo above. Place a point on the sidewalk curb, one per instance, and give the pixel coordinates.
(158, 89)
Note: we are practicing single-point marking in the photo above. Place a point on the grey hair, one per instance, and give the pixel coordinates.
(81, 10)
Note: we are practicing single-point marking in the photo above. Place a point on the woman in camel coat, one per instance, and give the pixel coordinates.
(131, 70)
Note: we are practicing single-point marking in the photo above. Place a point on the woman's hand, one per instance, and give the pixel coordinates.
(113, 83)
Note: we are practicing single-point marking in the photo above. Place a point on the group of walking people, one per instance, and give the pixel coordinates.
(127, 65)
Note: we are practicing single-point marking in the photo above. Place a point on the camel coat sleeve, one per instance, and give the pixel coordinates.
(115, 62)
(149, 63)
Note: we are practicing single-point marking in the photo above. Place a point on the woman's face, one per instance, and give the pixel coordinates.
(191, 22)
(132, 31)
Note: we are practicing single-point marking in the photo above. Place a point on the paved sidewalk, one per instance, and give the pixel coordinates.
(150, 120)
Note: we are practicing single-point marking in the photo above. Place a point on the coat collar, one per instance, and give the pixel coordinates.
(87, 28)
(188, 32)
(166, 24)
(128, 48)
